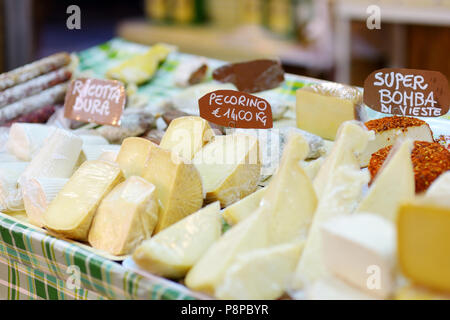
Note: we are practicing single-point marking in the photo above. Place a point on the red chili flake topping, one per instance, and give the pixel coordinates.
(394, 122)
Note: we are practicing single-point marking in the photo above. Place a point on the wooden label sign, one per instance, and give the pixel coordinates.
(95, 100)
(236, 109)
(407, 92)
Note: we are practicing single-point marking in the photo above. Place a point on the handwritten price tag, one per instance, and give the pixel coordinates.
(236, 109)
(95, 100)
(407, 92)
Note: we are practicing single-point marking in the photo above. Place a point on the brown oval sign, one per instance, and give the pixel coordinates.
(230, 108)
(407, 92)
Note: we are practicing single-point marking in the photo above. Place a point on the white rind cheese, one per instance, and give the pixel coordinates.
(25, 139)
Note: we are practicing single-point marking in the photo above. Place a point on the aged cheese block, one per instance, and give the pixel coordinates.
(229, 167)
(242, 209)
(125, 217)
(187, 135)
(210, 270)
(37, 195)
(133, 155)
(423, 227)
(361, 249)
(321, 110)
(341, 189)
(178, 186)
(173, 251)
(261, 274)
(289, 200)
(25, 139)
(71, 212)
(393, 184)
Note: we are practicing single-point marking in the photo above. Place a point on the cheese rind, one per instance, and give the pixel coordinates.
(423, 227)
(71, 212)
(229, 167)
(125, 217)
(186, 136)
(209, 271)
(173, 251)
(394, 183)
(133, 155)
(361, 249)
(322, 113)
(242, 209)
(37, 194)
(178, 186)
(260, 274)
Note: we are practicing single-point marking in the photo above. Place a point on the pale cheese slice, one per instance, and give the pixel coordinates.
(173, 251)
(71, 212)
(440, 187)
(125, 217)
(394, 183)
(229, 167)
(186, 136)
(261, 274)
(25, 139)
(133, 155)
(242, 209)
(178, 186)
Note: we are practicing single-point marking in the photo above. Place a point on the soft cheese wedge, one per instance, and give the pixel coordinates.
(25, 139)
(440, 187)
(321, 109)
(186, 136)
(393, 184)
(133, 155)
(352, 141)
(71, 212)
(208, 273)
(178, 186)
(229, 167)
(57, 157)
(261, 274)
(173, 251)
(340, 189)
(242, 209)
(389, 129)
(9, 192)
(125, 217)
(289, 200)
(37, 194)
(361, 249)
(423, 228)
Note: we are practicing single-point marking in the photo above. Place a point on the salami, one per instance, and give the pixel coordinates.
(34, 86)
(47, 97)
(40, 115)
(33, 70)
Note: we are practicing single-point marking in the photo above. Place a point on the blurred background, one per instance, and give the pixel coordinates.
(326, 39)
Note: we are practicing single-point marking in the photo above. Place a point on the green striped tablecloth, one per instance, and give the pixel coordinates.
(35, 265)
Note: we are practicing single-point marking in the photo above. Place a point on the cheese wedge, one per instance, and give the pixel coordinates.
(178, 186)
(389, 129)
(361, 249)
(229, 167)
(25, 139)
(289, 200)
(173, 251)
(242, 209)
(94, 151)
(71, 212)
(37, 195)
(261, 274)
(342, 190)
(321, 109)
(186, 136)
(332, 288)
(352, 141)
(57, 157)
(10, 197)
(423, 227)
(133, 155)
(393, 184)
(208, 273)
(125, 217)
(440, 187)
